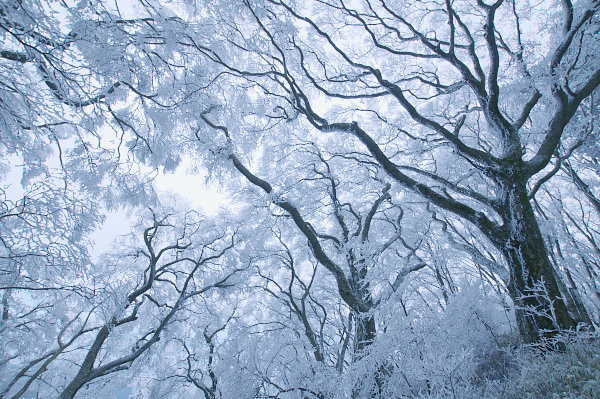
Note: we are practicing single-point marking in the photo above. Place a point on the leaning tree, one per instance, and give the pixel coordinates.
(468, 105)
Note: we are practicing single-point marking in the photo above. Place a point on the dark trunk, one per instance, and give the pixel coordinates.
(74, 386)
(84, 374)
(365, 332)
(534, 285)
(366, 329)
(374, 389)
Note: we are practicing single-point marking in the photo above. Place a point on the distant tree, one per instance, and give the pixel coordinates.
(130, 307)
(58, 175)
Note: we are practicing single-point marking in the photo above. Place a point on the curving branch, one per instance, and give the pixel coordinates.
(343, 285)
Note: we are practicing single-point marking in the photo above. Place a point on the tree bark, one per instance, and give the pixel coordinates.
(540, 312)
(365, 332)
(84, 374)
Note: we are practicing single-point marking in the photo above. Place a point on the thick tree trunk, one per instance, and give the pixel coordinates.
(74, 386)
(365, 332)
(84, 374)
(534, 285)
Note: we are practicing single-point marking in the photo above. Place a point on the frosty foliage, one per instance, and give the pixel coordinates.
(414, 195)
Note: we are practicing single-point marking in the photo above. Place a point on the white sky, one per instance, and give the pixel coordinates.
(190, 191)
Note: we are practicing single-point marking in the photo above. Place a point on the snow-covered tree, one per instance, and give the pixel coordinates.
(397, 170)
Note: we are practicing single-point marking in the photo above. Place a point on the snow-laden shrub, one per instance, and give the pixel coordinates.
(467, 350)
(542, 374)
(574, 373)
(444, 349)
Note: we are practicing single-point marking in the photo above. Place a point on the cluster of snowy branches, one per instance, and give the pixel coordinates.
(413, 192)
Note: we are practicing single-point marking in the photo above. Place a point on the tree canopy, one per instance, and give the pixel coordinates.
(401, 175)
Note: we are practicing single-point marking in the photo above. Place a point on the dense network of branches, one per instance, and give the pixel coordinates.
(399, 175)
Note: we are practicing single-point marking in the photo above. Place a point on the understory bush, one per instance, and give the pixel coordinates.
(532, 373)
